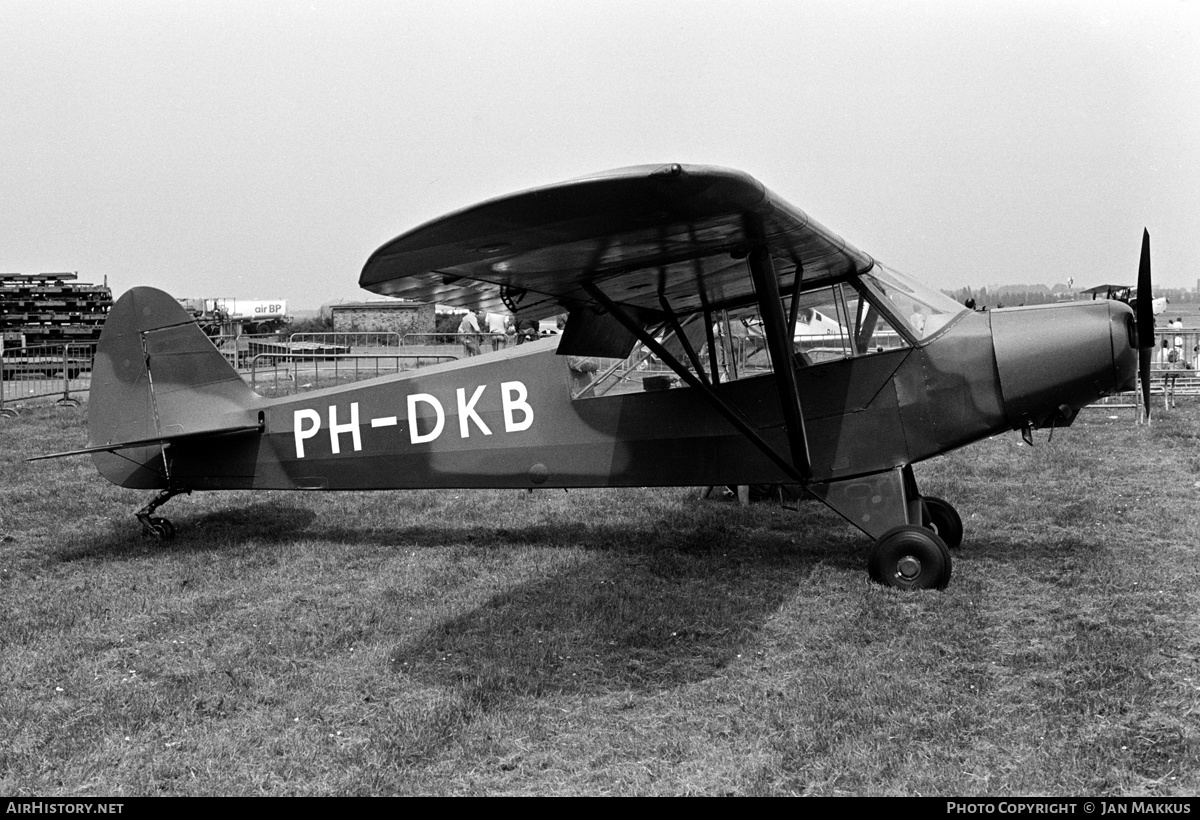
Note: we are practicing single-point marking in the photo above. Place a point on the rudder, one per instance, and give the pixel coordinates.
(156, 375)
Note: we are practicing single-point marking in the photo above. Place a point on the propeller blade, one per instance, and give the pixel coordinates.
(1145, 321)
(1145, 297)
(1144, 356)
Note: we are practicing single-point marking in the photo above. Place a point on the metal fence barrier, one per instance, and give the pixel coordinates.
(1166, 388)
(61, 371)
(1184, 343)
(364, 341)
(432, 342)
(237, 348)
(304, 371)
(1174, 370)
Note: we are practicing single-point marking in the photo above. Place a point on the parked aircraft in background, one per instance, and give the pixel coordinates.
(1127, 294)
(650, 384)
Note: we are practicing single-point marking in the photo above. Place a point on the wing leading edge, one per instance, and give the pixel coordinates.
(644, 235)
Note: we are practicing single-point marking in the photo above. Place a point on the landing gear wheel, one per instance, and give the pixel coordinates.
(909, 557)
(161, 528)
(943, 519)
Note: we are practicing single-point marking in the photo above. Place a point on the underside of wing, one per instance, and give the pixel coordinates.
(644, 236)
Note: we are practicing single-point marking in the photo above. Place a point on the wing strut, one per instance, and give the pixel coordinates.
(795, 311)
(779, 342)
(709, 319)
(683, 339)
(724, 408)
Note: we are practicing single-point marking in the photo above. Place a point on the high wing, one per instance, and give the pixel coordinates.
(1108, 289)
(643, 235)
(626, 249)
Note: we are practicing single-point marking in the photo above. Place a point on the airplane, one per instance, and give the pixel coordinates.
(648, 384)
(1127, 294)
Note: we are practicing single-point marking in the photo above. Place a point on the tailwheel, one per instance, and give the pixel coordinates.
(943, 519)
(160, 528)
(909, 557)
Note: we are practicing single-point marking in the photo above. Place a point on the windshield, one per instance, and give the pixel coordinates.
(923, 309)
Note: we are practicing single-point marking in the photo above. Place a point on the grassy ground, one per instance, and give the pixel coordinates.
(605, 642)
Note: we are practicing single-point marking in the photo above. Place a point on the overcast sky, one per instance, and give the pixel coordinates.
(264, 149)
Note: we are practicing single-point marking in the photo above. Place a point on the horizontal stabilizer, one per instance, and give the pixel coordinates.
(149, 442)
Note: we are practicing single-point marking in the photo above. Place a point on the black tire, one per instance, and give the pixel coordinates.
(909, 557)
(162, 529)
(943, 519)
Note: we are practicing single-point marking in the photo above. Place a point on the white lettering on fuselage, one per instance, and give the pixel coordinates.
(514, 402)
(301, 432)
(425, 398)
(515, 397)
(350, 427)
(466, 412)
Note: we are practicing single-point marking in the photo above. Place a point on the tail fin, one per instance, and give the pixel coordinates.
(157, 377)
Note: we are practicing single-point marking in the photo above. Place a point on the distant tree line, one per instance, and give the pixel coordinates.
(1176, 295)
(322, 323)
(1011, 295)
(1017, 295)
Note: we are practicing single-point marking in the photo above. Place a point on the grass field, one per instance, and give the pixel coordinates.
(605, 642)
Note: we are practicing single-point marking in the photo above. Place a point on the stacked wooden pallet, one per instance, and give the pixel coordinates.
(50, 308)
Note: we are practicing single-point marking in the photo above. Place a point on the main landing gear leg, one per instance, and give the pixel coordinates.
(913, 533)
(159, 528)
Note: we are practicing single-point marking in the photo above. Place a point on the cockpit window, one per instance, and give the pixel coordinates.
(838, 322)
(738, 351)
(831, 323)
(876, 312)
(923, 309)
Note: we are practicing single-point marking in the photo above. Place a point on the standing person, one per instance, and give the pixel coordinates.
(468, 334)
(527, 330)
(583, 368)
(497, 324)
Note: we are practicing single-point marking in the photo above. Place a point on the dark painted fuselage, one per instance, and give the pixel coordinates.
(509, 419)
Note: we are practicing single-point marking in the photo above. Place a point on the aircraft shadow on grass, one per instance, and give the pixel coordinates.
(646, 606)
(226, 529)
(236, 526)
